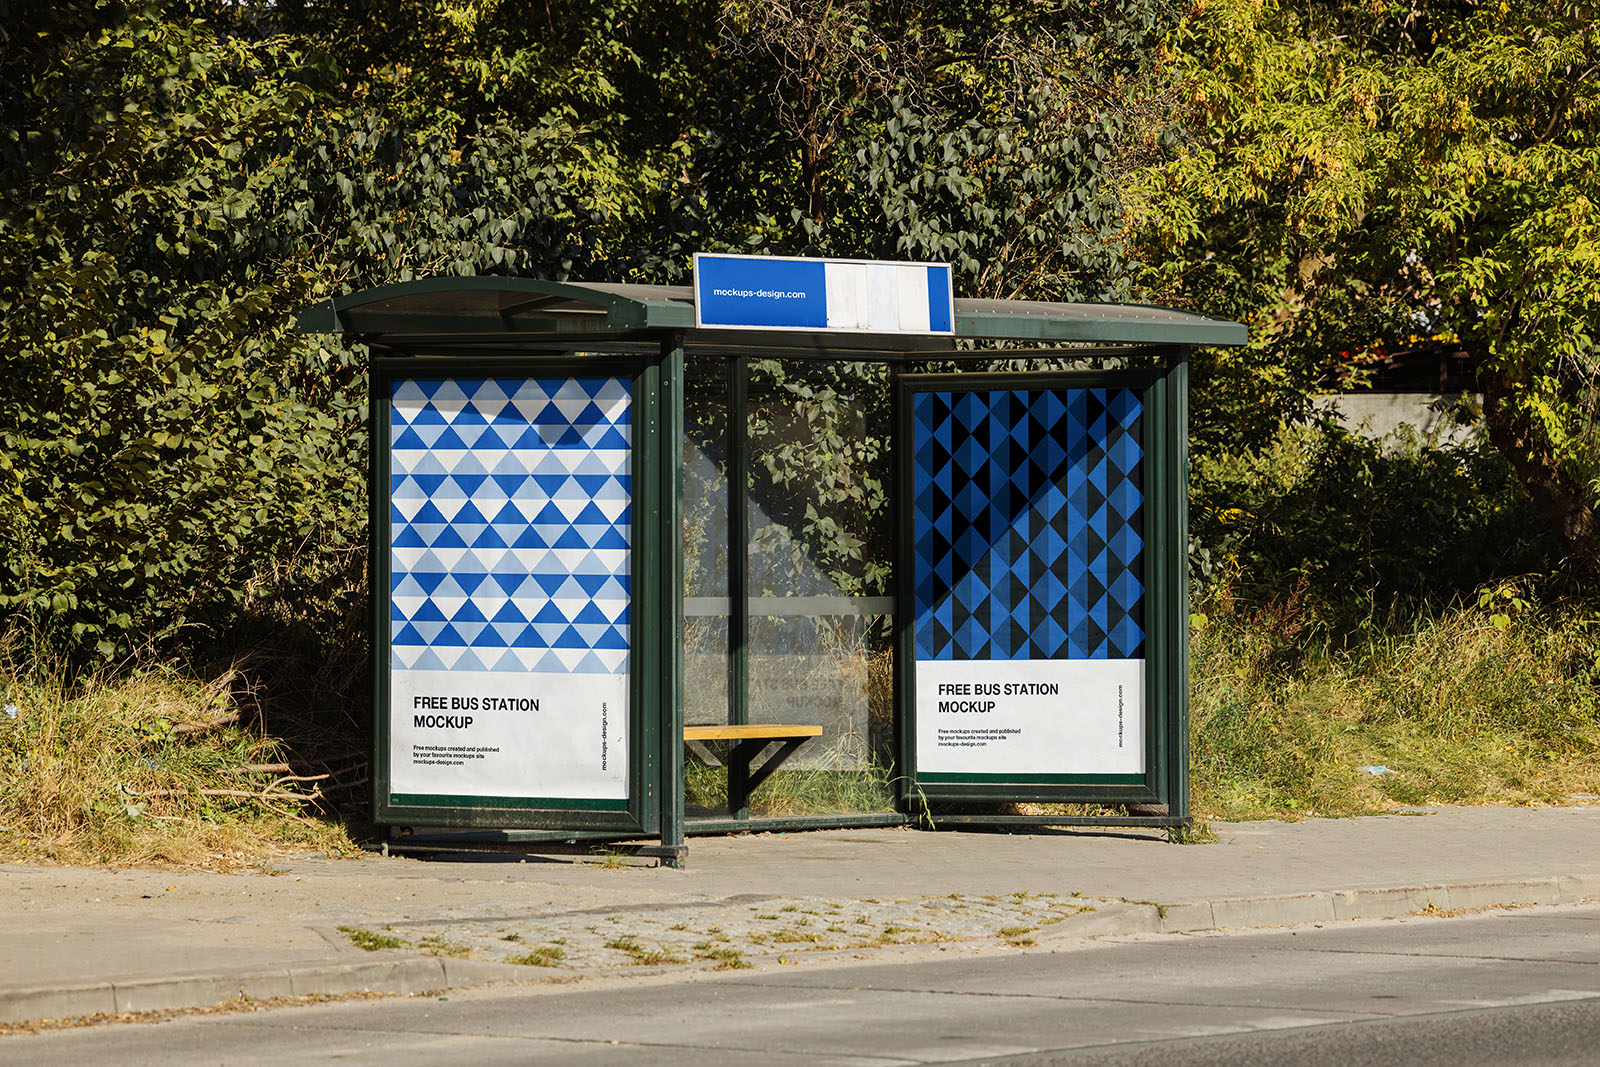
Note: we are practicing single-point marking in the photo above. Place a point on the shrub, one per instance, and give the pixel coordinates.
(1360, 530)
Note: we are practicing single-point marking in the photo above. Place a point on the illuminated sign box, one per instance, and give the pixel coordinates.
(842, 295)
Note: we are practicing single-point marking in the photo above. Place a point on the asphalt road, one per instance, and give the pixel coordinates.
(1519, 987)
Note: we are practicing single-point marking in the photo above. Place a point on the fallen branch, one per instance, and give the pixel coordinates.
(331, 765)
(276, 782)
(245, 794)
(222, 688)
(201, 727)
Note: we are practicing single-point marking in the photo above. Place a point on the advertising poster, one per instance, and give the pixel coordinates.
(510, 551)
(1028, 519)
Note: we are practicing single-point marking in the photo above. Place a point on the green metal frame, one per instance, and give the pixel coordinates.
(738, 570)
(1165, 779)
(648, 674)
(739, 542)
(666, 580)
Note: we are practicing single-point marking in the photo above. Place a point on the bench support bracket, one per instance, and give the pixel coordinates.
(745, 778)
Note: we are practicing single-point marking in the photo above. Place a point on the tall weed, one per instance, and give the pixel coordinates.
(1466, 705)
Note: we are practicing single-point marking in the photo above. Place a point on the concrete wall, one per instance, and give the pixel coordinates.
(1377, 415)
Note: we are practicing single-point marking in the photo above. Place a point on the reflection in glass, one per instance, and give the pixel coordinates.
(705, 541)
(819, 573)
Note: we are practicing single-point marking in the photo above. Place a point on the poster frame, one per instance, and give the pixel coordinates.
(641, 811)
(1164, 392)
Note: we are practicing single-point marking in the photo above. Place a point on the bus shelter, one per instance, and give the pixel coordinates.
(645, 564)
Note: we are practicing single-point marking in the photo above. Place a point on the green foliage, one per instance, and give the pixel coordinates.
(726, 959)
(819, 444)
(630, 70)
(541, 956)
(174, 456)
(1370, 177)
(1361, 173)
(990, 136)
(1359, 529)
(370, 941)
(161, 457)
(178, 466)
(641, 955)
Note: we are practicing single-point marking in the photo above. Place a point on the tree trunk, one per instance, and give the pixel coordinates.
(1562, 501)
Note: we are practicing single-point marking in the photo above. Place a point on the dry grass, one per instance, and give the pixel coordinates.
(1462, 708)
(150, 766)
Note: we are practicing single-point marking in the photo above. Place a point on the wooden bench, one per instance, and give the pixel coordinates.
(749, 739)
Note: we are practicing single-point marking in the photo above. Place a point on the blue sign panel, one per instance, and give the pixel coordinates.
(844, 295)
(941, 300)
(760, 291)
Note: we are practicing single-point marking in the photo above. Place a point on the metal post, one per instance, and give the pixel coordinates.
(1178, 390)
(670, 623)
(379, 446)
(738, 559)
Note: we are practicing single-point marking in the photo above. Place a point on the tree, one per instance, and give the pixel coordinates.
(159, 457)
(991, 136)
(1356, 171)
(174, 461)
(183, 176)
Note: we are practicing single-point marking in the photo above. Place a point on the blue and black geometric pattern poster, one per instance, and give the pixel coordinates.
(510, 553)
(1028, 566)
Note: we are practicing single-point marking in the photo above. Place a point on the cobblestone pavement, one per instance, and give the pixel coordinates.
(728, 933)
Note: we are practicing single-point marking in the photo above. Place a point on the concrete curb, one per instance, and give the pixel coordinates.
(1198, 916)
(400, 976)
(409, 975)
(1387, 903)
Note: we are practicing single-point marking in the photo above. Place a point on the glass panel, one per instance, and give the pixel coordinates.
(705, 541)
(813, 669)
(705, 670)
(820, 624)
(819, 477)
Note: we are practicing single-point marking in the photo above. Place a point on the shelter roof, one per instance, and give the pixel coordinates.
(485, 314)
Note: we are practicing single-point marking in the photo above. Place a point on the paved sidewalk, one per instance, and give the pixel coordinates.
(79, 941)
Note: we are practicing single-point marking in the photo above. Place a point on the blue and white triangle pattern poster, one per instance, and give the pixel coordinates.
(1029, 569)
(510, 548)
